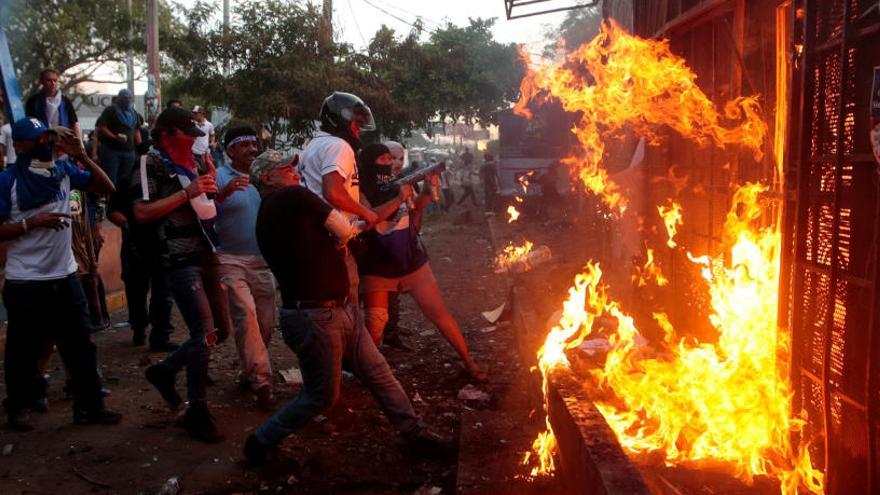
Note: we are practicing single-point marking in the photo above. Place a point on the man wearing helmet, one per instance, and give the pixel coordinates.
(329, 169)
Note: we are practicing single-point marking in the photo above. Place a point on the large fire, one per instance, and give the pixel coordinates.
(722, 403)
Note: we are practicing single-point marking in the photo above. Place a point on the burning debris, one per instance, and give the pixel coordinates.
(518, 259)
(724, 403)
(513, 214)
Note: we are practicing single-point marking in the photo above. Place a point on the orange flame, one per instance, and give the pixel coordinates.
(672, 218)
(723, 403)
(649, 271)
(514, 214)
(511, 255)
(622, 81)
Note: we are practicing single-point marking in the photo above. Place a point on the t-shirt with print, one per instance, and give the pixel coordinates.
(180, 239)
(203, 143)
(300, 251)
(41, 253)
(110, 119)
(326, 154)
(237, 216)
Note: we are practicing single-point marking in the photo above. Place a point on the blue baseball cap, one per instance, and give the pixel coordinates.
(29, 129)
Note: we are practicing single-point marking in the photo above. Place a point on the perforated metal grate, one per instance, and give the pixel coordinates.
(834, 307)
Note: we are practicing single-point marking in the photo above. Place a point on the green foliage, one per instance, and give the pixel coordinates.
(272, 68)
(578, 27)
(75, 37)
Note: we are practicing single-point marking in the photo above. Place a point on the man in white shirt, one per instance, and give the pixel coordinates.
(42, 291)
(329, 168)
(7, 151)
(203, 145)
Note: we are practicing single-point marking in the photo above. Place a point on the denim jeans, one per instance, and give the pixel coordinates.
(117, 163)
(41, 311)
(323, 339)
(251, 289)
(145, 277)
(201, 301)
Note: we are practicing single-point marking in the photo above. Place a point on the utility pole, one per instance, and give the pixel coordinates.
(129, 60)
(153, 96)
(327, 28)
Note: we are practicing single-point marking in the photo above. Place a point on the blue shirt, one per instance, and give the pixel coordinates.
(236, 223)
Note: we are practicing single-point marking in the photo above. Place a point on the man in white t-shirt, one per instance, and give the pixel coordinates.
(7, 151)
(329, 168)
(42, 292)
(203, 145)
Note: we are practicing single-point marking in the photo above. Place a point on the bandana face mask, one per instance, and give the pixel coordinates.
(42, 162)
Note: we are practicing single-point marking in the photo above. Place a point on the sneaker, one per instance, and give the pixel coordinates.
(163, 379)
(200, 425)
(163, 346)
(256, 453)
(428, 444)
(19, 421)
(266, 399)
(102, 416)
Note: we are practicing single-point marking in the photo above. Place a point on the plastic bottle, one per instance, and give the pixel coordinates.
(171, 487)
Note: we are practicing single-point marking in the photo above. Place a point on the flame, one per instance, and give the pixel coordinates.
(724, 403)
(511, 255)
(672, 218)
(514, 214)
(649, 271)
(727, 402)
(619, 81)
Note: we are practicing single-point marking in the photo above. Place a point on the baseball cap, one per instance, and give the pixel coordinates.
(198, 109)
(270, 160)
(177, 118)
(28, 129)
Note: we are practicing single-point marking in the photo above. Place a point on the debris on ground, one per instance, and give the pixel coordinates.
(472, 393)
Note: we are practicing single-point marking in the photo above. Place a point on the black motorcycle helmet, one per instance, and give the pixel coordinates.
(341, 109)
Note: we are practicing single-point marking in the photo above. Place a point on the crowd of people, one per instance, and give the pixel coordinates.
(318, 244)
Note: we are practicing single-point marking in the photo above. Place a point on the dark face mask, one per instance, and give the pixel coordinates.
(43, 152)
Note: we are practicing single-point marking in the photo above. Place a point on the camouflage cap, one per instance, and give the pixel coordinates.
(270, 160)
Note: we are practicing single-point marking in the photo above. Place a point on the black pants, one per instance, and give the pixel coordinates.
(142, 277)
(468, 192)
(41, 311)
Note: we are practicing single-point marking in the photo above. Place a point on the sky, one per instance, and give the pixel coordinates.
(355, 21)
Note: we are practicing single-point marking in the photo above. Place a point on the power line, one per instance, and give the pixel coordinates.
(417, 16)
(356, 24)
(390, 14)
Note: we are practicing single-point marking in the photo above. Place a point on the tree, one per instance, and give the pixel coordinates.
(579, 26)
(75, 37)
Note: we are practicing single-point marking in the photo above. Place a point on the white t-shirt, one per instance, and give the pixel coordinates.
(326, 154)
(203, 144)
(6, 140)
(40, 253)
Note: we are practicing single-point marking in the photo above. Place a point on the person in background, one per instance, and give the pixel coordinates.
(173, 197)
(204, 144)
(395, 261)
(489, 180)
(243, 270)
(466, 177)
(7, 150)
(302, 239)
(42, 293)
(118, 133)
(174, 103)
(51, 107)
(142, 271)
(391, 336)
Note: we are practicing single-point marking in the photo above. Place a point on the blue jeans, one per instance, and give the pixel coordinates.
(42, 311)
(323, 339)
(117, 163)
(202, 303)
